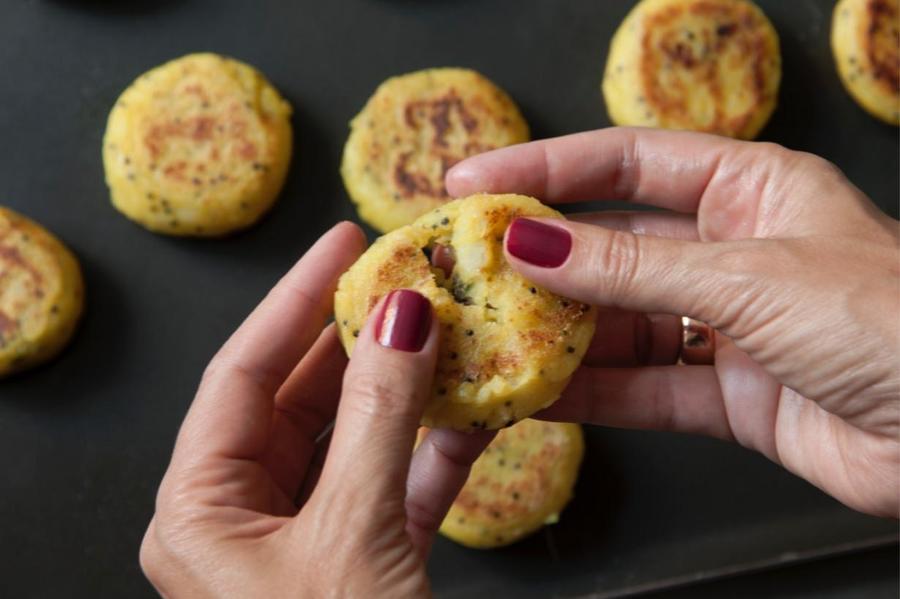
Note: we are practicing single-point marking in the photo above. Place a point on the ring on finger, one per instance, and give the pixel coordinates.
(698, 342)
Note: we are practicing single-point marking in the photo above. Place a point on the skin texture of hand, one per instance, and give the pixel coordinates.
(793, 266)
(251, 506)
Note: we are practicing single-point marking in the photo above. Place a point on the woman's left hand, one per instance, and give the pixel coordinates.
(252, 506)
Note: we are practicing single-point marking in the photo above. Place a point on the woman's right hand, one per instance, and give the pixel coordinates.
(793, 265)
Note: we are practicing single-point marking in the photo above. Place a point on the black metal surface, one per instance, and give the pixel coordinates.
(85, 440)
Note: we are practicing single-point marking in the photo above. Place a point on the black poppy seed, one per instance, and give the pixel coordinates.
(495, 514)
(445, 221)
(515, 495)
(565, 304)
(507, 403)
(469, 332)
(510, 422)
(344, 322)
(453, 355)
(54, 308)
(570, 349)
(533, 290)
(356, 333)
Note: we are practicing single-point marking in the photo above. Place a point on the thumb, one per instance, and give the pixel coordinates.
(386, 384)
(633, 272)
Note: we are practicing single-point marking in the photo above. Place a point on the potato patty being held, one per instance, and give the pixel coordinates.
(412, 130)
(701, 65)
(199, 146)
(865, 39)
(41, 293)
(522, 481)
(507, 347)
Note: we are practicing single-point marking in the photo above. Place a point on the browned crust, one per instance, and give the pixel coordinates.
(517, 498)
(738, 24)
(437, 115)
(12, 260)
(881, 42)
(227, 128)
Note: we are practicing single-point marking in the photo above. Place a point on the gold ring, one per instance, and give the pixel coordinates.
(698, 342)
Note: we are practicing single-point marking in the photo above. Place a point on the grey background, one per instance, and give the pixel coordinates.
(85, 440)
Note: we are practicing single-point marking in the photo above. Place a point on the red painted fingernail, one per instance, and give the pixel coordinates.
(538, 243)
(405, 321)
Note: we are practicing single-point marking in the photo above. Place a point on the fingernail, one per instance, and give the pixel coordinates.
(538, 243)
(405, 321)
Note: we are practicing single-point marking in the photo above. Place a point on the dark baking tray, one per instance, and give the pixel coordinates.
(84, 441)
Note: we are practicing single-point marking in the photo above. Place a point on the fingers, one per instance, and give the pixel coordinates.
(684, 399)
(304, 406)
(659, 224)
(440, 467)
(662, 168)
(737, 189)
(232, 412)
(386, 384)
(627, 339)
(634, 272)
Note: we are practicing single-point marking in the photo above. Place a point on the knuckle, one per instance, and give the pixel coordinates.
(618, 262)
(382, 392)
(818, 165)
(147, 557)
(774, 150)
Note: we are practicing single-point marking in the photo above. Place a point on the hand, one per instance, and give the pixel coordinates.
(226, 521)
(775, 249)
